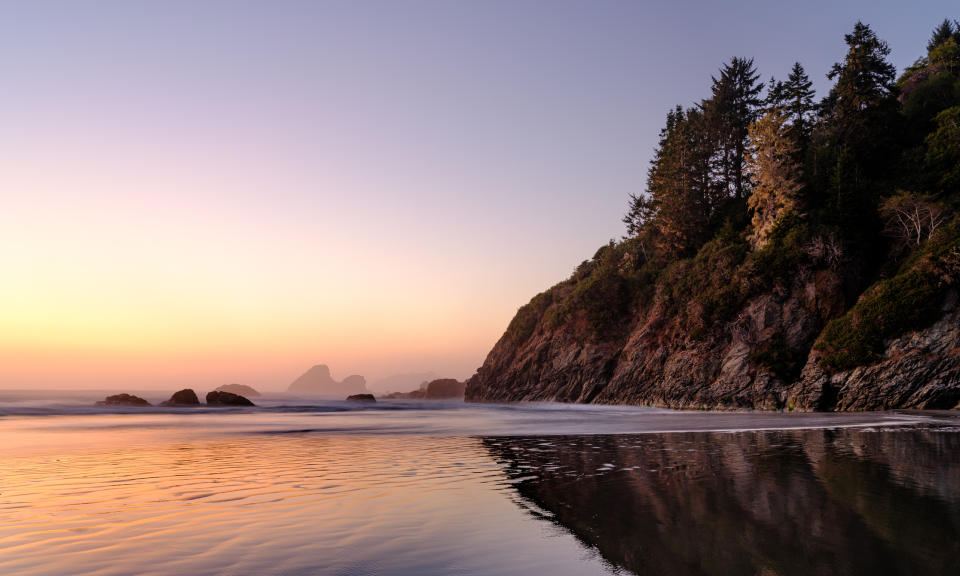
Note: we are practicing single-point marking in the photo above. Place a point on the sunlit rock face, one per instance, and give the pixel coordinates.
(787, 502)
(318, 381)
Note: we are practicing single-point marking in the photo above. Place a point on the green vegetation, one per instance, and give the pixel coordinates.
(910, 300)
(780, 358)
(759, 187)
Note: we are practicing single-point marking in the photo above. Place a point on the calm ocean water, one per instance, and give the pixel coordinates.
(401, 487)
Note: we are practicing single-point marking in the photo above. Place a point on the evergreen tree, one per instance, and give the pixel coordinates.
(674, 212)
(945, 31)
(863, 80)
(798, 94)
(640, 212)
(943, 152)
(863, 121)
(733, 105)
(776, 95)
(775, 173)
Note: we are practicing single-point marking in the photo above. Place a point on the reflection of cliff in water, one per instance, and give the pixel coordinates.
(787, 502)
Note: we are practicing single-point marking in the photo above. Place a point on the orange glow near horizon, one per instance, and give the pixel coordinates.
(92, 301)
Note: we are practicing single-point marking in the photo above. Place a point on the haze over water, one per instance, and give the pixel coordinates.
(446, 488)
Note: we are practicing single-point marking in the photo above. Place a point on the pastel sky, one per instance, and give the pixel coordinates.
(201, 192)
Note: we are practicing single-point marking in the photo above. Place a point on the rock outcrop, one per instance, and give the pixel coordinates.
(655, 361)
(361, 398)
(185, 397)
(318, 381)
(402, 381)
(918, 370)
(241, 389)
(440, 389)
(445, 388)
(764, 358)
(216, 398)
(123, 400)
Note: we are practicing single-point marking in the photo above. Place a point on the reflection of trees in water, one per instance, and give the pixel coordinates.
(787, 502)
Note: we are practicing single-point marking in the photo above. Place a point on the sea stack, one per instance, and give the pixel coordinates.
(241, 389)
(185, 397)
(318, 381)
(216, 398)
(123, 400)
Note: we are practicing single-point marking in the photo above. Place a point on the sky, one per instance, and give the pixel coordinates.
(194, 193)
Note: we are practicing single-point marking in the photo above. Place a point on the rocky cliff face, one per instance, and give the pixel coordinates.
(918, 370)
(655, 363)
(761, 359)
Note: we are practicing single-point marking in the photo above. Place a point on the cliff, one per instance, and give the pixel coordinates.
(733, 329)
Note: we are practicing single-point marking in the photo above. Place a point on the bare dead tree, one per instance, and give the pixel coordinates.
(911, 219)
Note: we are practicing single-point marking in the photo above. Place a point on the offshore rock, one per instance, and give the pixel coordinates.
(445, 388)
(123, 400)
(241, 389)
(216, 398)
(318, 381)
(185, 397)
(361, 398)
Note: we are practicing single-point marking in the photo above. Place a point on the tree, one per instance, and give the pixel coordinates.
(638, 214)
(863, 80)
(863, 122)
(674, 212)
(911, 219)
(943, 151)
(775, 174)
(945, 31)
(798, 95)
(733, 105)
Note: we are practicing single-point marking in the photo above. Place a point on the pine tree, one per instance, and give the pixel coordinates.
(798, 94)
(776, 95)
(675, 210)
(733, 105)
(775, 173)
(863, 80)
(945, 31)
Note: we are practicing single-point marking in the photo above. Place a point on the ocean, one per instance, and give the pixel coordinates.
(297, 486)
